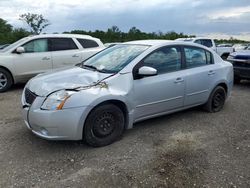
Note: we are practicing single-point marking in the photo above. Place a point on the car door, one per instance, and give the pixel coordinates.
(200, 75)
(34, 60)
(65, 52)
(164, 91)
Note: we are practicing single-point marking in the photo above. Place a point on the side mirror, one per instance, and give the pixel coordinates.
(147, 71)
(20, 50)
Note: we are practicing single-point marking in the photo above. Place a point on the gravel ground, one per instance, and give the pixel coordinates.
(186, 149)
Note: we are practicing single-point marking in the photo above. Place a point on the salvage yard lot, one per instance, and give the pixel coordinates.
(185, 149)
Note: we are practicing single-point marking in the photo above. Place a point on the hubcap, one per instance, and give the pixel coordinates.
(104, 125)
(3, 80)
(218, 100)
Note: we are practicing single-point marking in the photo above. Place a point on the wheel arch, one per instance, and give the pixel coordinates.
(120, 104)
(6, 69)
(224, 85)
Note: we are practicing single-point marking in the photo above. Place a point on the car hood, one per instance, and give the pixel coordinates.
(241, 53)
(47, 83)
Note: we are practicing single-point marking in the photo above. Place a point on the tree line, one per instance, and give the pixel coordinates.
(114, 34)
(37, 23)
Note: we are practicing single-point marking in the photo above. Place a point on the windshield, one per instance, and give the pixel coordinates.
(13, 45)
(115, 58)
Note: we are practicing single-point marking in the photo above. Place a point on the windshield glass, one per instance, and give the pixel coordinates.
(13, 45)
(115, 58)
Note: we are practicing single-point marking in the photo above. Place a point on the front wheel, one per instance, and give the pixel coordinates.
(216, 100)
(5, 80)
(104, 125)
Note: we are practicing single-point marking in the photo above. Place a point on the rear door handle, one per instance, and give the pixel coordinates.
(45, 58)
(179, 80)
(211, 72)
(75, 55)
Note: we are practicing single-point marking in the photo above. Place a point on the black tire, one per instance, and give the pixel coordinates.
(216, 100)
(104, 125)
(224, 56)
(237, 80)
(5, 80)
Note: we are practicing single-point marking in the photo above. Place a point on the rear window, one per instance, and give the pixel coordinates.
(206, 42)
(59, 44)
(87, 43)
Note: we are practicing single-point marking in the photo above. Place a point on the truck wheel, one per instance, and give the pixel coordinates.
(216, 100)
(104, 125)
(224, 56)
(5, 80)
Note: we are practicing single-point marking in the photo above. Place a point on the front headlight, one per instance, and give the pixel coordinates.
(56, 100)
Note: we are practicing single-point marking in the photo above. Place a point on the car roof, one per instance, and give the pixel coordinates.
(62, 35)
(148, 42)
(192, 38)
(162, 42)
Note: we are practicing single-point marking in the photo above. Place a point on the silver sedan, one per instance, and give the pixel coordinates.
(126, 83)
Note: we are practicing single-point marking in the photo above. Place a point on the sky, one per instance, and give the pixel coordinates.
(214, 18)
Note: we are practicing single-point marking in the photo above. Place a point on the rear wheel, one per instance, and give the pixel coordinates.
(216, 100)
(224, 56)
(5, 80)
(104, 125)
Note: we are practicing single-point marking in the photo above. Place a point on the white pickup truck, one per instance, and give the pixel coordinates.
(222, 51)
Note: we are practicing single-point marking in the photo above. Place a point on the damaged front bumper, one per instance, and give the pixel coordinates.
(66, 124)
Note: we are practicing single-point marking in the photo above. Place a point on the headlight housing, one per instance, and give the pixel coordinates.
(56, 100)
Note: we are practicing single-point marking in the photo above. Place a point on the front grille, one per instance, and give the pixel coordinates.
(241, 64)
(29, 96)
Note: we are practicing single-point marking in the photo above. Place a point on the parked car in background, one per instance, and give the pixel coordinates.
(124, 84)
(222, 51)
(239, 47)
(224, 45)
(2, 46)
(241, 64)
(107, 45)
(37, 54)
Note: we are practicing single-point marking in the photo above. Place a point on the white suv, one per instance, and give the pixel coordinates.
(37, 54)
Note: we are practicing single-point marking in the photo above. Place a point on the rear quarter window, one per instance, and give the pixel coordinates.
(87, 43)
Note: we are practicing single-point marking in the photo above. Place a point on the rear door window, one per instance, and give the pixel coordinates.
(196, 57)
(59, 44)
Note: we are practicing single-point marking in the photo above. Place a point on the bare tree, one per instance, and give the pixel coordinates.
(36, 22)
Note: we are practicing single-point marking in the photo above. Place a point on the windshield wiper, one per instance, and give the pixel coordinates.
(96, 69)
(90, 67)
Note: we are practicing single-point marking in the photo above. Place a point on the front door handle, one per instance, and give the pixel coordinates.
(45, 58)
(211, 72)
(179, 80)
(75, 55)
